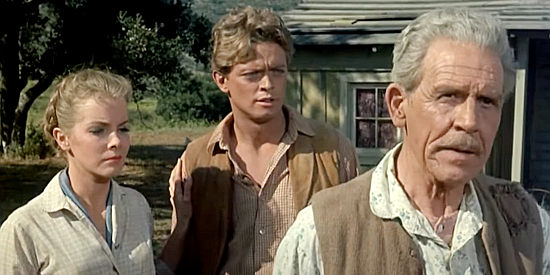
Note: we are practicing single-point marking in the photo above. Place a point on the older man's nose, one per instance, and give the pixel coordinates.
(467, 115)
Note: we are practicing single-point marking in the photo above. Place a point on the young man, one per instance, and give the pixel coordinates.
(259, 167)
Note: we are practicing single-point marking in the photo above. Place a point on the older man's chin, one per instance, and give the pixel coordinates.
(453, 175)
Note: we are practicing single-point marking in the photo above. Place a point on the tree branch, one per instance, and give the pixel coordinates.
(26, 100)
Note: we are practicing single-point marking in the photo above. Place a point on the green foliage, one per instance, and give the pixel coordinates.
(188, 99)
(147, 57)
(36, 145)
(214, 9)
(144, 118)
(162, 66)
(146, 41)
(160, 45)
(36, 112)
(39, 37)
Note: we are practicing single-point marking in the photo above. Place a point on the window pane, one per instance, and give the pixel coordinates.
(365, 133)
(382, 108)
(387, 134)
(366, 103)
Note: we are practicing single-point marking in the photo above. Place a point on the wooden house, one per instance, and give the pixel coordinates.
(343, 60)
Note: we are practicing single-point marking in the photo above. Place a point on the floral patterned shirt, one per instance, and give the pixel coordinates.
(299, 252)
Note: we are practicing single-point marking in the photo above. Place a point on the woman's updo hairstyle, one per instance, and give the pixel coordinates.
(73, 90)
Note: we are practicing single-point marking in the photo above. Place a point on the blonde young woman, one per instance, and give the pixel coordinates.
(83, 222)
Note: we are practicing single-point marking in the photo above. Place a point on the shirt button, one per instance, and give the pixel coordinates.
(117, 246)
(261, 231)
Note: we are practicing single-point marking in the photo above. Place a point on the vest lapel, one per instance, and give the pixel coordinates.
(301, 167)
(212, 210)
(491, 248)
(313, 166)
(495, 236)
(350, 235)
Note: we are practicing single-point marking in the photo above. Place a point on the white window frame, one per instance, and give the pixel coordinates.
(368, 157)
(376, 118)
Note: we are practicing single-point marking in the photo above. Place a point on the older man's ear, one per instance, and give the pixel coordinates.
(396, 100)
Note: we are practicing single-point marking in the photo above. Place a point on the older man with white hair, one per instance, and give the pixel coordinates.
(427, 208)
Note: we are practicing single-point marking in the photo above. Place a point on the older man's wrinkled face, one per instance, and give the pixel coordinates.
(453, 115)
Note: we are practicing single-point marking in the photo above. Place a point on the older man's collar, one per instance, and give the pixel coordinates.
(387, 196)
(380, 190)
(219, 140)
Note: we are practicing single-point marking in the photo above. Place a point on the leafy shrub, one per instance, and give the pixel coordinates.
(36, 145)
(166, 60)
(195, 98)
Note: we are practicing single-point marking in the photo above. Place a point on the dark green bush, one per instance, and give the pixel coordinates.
(195, 98)
(36, 145)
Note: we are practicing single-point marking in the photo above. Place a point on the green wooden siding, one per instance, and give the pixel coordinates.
(313, 96)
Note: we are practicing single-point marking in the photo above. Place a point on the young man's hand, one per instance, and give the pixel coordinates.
(180, 197)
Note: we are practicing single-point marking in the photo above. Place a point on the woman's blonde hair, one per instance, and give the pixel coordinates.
(235, 35)
(76, 88)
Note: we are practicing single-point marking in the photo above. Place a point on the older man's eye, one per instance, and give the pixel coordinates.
(279, 71)
(449, 95)
(487, 101)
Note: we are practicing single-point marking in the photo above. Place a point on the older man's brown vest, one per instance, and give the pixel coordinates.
(313, 166)
(355, 241)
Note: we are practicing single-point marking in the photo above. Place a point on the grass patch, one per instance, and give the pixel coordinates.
(142, 116)
(36, 112)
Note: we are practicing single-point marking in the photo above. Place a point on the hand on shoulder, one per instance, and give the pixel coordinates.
(180, 197)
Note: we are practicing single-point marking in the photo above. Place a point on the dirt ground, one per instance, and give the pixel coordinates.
(150, 160)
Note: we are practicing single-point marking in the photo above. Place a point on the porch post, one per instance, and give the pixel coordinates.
(519, 109)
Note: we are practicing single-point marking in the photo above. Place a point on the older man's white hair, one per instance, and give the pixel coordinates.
(458, 24)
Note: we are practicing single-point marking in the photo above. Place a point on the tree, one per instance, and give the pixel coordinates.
(41, 39)
(214, 9)
(20, 61)
(181, 94)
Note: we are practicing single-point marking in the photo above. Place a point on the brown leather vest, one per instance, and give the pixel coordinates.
(355, 241)
(313, 166)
